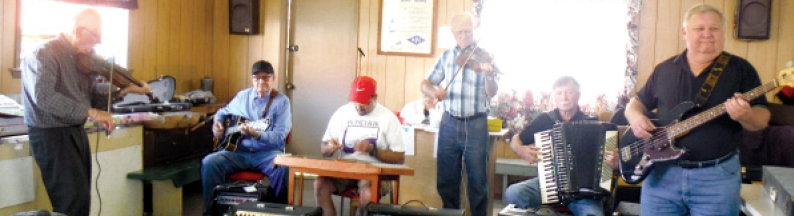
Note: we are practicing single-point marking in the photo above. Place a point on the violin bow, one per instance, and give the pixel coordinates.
(476, 45)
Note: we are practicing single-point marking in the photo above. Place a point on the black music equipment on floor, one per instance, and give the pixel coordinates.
(572, 164)
(273, 209)
(404, 210)
(232, 194)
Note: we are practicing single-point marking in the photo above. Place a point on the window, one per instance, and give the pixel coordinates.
(535, 42)
(43, 20)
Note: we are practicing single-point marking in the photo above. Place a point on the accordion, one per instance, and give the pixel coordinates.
(572, 163)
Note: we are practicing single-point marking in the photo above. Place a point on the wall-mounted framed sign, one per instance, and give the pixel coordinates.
(407, 27)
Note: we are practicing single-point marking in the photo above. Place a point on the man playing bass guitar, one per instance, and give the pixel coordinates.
(257, 147)
(705, 180)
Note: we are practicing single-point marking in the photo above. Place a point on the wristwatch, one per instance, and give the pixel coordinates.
(374, 152)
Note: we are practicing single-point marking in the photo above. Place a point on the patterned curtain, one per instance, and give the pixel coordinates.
(126, 4)
(631, 53)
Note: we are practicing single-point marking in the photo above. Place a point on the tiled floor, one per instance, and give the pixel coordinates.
(192, 202)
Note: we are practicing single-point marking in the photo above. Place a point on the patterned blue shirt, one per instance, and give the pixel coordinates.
(249, 105)
(466, 95)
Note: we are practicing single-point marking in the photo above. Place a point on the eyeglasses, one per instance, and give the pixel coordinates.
(94, 36)
(260, 78)
(463, 32)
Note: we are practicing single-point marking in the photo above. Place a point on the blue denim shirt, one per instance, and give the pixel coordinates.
(249, 105)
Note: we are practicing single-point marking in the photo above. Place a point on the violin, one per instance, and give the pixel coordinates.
(94, 65)
(473, 57)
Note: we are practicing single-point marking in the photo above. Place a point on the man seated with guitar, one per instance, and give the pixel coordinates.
(260, 119)
(704, 178)
(360, 130)
(526, 194)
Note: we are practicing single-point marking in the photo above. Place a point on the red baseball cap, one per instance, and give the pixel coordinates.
(362, 89)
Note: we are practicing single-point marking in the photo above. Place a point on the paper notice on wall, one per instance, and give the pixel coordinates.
(408, 140)
(17, 184)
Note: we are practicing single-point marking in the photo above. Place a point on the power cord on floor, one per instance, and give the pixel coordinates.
(99, 172)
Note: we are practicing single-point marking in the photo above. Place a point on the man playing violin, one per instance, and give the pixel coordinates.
(706, 180)
(258, 146)
(58, 98)
(463, 132)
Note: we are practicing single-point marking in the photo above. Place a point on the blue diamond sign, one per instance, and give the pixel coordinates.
(416, 40)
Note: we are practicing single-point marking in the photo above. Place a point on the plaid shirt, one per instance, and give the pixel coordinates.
(55, 92)
(466, 95)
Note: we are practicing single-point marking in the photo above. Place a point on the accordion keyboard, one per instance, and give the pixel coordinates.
(549, 186)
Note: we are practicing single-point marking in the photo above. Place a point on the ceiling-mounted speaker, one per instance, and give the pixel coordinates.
(244, 17)
(753, 19)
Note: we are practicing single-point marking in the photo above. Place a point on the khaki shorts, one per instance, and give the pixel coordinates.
(343, 185)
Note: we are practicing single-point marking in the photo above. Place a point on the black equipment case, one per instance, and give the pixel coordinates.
(232, 194)
(162, 89)
(404, 210)
(250, 208)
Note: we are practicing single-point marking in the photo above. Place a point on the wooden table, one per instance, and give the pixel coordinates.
(374, 173)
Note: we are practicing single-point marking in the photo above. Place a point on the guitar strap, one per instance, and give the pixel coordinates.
(553, 116)
(273, 94)
(711, 80)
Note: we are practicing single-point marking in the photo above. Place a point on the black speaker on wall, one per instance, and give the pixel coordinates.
(753, 19)
(244, 17)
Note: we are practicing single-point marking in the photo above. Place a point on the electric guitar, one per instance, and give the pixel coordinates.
(637, 156)
(233, 135)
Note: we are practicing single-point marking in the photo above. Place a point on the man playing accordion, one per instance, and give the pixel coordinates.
(527, 194)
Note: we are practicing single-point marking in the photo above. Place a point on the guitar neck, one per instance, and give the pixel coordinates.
(236, 129)
(705, 116)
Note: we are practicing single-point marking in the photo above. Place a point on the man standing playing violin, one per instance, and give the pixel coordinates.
(258, 146)
(706, 180)
(463, 132)
(58, 98)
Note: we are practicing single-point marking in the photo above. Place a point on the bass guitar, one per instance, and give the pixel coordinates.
(637, 156)
(233, 135)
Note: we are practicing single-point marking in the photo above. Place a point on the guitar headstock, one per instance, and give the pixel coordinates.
(786, 77)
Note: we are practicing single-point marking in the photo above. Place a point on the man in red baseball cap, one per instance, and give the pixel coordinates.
(360, 130)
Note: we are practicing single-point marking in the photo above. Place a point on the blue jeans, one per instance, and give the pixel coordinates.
(526, 195)
(463, 141)
(672, 190)
(216, 166)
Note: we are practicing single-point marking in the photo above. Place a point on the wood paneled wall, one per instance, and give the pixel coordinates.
(660, 36)
(398, 77)
(8, 46)
(189, 39)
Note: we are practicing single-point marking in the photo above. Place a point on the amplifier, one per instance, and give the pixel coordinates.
(403, 210)
(273, 209)
(779, 184)
(232, 194)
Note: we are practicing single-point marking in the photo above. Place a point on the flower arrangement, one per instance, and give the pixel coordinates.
(517, 110)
